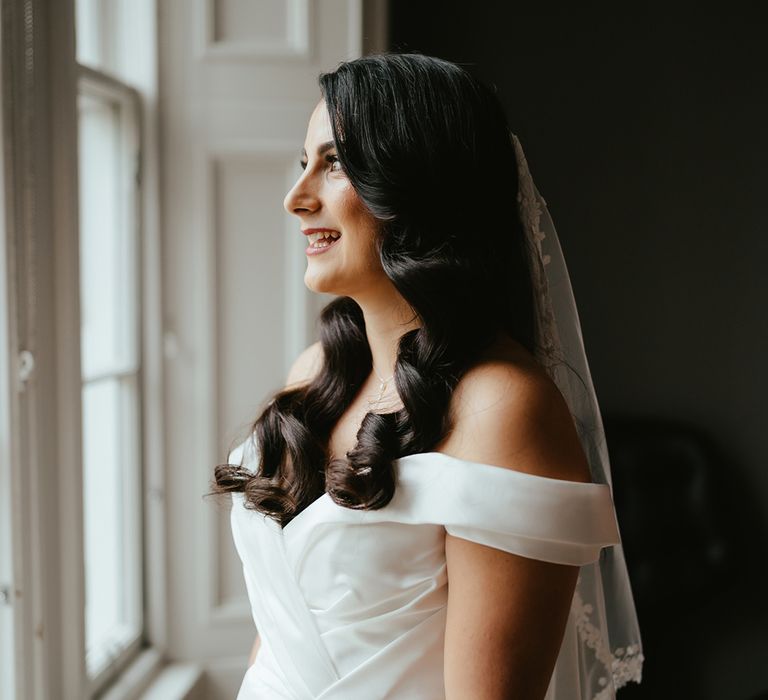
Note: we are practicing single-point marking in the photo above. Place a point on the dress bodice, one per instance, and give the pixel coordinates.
(352, 603)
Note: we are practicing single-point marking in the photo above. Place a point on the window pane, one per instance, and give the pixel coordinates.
(117, 37)
(89, 18)
(111, 393)
(106, 242)
(112, 563)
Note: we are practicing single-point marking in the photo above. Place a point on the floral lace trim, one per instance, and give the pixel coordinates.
(530, 208)
(624, 664)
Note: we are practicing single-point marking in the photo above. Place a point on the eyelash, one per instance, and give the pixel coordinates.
(330, 159)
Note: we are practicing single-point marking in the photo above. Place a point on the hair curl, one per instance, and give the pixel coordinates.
(427, 148)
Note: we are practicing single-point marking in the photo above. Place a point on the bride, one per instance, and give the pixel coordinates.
(425, 509)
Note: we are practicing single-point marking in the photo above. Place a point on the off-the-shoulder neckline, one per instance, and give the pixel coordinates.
(484, 465)
(523, 477)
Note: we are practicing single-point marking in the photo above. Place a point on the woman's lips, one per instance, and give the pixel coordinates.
(316, 250)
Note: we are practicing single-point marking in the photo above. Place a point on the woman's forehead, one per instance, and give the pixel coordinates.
(319, 127)
(319, 117)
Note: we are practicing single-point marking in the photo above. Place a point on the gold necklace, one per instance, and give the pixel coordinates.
(382, 389)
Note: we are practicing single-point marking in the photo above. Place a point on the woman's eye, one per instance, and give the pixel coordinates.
(335, 163)
(332, 159)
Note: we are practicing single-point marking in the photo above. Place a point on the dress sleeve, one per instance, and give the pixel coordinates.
(244, 454)
(554, 520)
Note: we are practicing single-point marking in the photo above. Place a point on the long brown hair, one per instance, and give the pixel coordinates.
(427, 148)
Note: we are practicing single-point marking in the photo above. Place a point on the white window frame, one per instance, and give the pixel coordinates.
(99, 85)
(41, 520)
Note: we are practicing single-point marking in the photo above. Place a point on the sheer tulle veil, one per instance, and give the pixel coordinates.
(611, 647)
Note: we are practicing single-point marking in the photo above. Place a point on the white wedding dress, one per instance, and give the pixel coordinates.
(351, 604)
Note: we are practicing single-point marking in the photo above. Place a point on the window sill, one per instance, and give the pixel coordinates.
(149, 678)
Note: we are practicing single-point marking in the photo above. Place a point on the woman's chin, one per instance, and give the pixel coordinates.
(320, 284)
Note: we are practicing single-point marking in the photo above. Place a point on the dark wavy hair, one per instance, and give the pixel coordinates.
(427, 148)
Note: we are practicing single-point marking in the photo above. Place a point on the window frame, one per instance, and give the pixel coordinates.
(41, 568)
(98, 84)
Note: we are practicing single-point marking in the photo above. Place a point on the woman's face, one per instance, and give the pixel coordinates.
(323, 198)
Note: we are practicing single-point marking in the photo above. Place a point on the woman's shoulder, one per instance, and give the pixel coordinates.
(505, 359)
(505, 373)
(305, 367)
(507, 411)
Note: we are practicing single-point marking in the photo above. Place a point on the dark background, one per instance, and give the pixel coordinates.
(646, 134)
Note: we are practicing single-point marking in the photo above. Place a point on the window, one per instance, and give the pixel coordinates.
(110, 304)
(111, 377)
(82, 566)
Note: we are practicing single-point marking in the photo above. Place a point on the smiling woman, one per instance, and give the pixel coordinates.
(356, 499)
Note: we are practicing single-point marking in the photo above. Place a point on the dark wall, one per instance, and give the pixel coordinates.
(646, 134)
(648, 140)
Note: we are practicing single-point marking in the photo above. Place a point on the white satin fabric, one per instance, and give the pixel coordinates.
(352, 604)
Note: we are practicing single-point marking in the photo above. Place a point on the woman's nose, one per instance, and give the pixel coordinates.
(301, 198)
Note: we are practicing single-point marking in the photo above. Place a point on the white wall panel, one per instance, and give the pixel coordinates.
(255, 29)
(249, 233)
(252, 293)
(249, 20)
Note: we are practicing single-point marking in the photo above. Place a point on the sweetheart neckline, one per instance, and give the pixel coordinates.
(284, 528)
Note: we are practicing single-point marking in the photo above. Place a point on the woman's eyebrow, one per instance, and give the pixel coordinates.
(322, 148)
